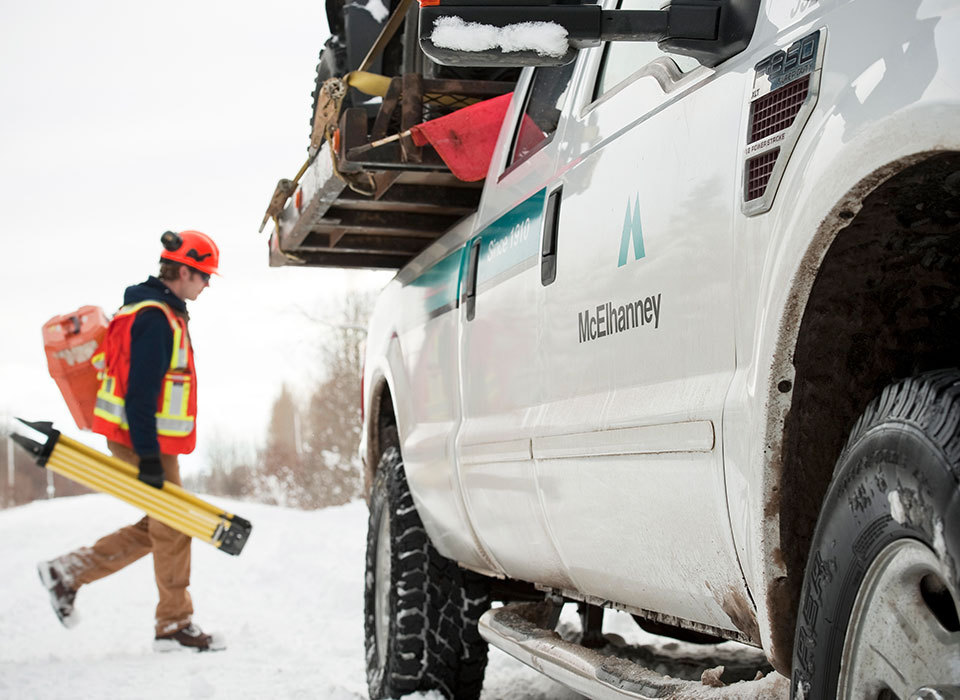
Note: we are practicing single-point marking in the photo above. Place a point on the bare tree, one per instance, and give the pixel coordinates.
(309, 458)
(230, 469)
(332, 422)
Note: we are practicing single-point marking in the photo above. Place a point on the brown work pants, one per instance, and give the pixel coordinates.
(171, 554)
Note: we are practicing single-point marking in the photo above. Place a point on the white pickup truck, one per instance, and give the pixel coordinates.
(690, 358)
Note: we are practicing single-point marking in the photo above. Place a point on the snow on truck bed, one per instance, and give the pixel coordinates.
(290, 607)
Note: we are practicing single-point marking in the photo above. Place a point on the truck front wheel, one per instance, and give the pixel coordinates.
(878, 610)
(420, 608)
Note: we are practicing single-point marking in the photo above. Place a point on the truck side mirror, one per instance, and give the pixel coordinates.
(544, 33)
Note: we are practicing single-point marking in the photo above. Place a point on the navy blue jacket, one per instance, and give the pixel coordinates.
(151, 345)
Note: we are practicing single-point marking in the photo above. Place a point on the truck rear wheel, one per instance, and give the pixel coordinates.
(420, 609)
(878, 609)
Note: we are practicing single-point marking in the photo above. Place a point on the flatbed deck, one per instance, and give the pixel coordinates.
(379, 209)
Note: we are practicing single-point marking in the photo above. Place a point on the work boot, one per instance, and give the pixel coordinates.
(61, 594)
(190, 638)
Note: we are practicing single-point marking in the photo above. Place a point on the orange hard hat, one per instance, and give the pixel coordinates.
(191, 248)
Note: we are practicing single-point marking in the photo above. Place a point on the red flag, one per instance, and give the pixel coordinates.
(465, 139)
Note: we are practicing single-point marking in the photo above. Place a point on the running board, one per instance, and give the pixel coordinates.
(171, 504)
(525, 632)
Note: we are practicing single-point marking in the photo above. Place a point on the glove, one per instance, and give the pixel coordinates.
(151, 471)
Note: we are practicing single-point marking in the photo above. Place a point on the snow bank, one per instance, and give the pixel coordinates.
(546, 38)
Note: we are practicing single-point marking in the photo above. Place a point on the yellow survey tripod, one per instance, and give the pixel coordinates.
(171, 504)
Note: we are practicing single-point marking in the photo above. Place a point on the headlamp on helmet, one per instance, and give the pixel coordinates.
(191, 248)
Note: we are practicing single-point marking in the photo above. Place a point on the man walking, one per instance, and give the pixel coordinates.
(146, 408)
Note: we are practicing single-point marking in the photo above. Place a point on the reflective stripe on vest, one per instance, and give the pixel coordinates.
(173, 417)
(109, 409)
(174, 425)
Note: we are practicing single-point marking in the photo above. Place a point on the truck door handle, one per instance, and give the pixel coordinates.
(551, 224)
(470, 288)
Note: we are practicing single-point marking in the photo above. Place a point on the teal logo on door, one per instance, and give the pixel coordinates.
(632, 231)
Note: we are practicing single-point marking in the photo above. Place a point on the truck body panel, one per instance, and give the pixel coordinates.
(598, 407)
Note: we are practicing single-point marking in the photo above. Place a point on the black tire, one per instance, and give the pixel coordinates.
(889, 530)
(428, 637)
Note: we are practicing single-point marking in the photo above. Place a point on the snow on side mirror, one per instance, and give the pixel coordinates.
(520, 34)
(545, 33)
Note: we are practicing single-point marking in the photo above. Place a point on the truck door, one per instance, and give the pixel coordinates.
(500, 321)
(428, 396)
(637, 334)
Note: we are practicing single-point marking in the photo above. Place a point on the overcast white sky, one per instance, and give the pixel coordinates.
(120, 120)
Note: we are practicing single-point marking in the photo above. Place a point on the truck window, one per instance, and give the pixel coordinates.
(541, 112)
(622, 59)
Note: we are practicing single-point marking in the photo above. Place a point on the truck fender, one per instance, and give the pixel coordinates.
(834, 156)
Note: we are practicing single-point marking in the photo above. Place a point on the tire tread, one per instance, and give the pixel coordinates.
(434, 642)
(930, 401)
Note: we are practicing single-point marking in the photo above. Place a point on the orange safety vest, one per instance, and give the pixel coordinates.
(177, 404)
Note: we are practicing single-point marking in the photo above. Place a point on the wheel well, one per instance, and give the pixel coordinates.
(384, 431)
(885, 304)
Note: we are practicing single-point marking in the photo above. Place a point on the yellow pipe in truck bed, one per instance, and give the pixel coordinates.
(171, 505)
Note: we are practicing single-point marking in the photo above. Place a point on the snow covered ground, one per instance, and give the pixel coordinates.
(290, 608)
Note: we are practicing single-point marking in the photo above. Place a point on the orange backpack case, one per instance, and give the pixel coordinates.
(70, 341)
